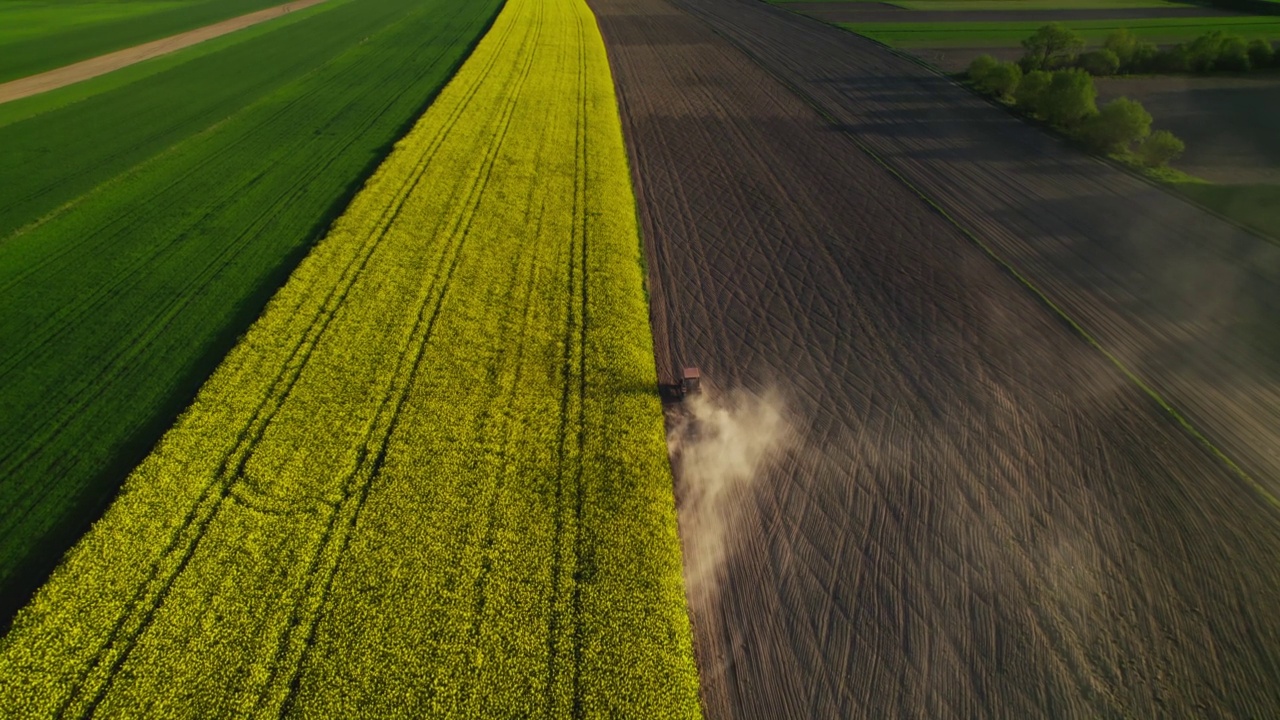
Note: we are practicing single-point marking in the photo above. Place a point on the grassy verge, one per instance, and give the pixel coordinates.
(1257, 206)
(1011, 34)
(197, 190)
(431, 480)
(57, 34)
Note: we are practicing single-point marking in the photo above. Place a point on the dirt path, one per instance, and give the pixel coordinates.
(984, 517)
(103, 64)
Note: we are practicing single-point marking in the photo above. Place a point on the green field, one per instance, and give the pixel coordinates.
(1257, 206)
(988, 34)
(431, 480)
(39, 36)
(145, 227)
(23, 108)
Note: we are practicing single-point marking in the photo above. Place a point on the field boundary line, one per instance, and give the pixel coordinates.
(1080, 330)
(102, 64)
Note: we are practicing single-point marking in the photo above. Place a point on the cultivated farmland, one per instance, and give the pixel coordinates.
(45, 34)
(142, 229)
(985, 516)
(431, 479)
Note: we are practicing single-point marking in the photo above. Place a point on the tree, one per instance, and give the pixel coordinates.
(1117, 126)
(1144, 57)
(1159, 148)
(1099, 63)
(1031, 89)
(980, 66)
(1069, 98)
(1174, 60)
(1260, 54)
(1124, 44)
(1002, 80)
(1048, 43)
(1233, 55)
(1204, 51)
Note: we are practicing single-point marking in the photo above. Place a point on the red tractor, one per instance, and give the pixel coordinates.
(688, 383)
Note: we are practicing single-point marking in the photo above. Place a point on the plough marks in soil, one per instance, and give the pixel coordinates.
(983, 516)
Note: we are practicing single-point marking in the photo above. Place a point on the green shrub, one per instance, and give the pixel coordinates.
(1159, 148)
(1099, 62)
(1124, 44)
(1233, 55)
(1143, 58)
(1031, 89)
(1117, 126)
(1260, 54)
(1053, 45)
(980, 66)
(1204, 52)
(1002, 80)
(1176, 59)
(1069, 98)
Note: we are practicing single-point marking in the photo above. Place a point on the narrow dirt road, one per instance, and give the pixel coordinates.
(103, 64)
(983, 517)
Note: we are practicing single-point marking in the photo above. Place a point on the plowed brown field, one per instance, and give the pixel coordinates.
(984, 517)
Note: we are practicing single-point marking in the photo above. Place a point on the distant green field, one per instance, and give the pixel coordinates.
(36, 36)
(987, 34)
(25, 19)
(23, 108)
(143, 228)
(1255, 205)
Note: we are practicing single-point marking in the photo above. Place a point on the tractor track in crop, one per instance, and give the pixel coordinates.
(233, 465)
(985, 517)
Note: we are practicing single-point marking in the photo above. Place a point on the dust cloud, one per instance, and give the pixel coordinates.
(720, 445)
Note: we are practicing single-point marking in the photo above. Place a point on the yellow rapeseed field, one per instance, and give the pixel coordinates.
(431, 480)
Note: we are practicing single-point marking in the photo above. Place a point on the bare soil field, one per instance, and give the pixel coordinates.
(103, 64)
(1228, 123)
(980, 515)
(875, 12)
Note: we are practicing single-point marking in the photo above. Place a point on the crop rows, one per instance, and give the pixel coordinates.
(431, 480)
(145, 228)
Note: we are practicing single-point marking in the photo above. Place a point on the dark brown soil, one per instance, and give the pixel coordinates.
(1228, 122)
(985, 517)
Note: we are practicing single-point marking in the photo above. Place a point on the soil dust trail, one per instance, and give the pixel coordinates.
(103, 64)
(1187, 301)
(978, 515)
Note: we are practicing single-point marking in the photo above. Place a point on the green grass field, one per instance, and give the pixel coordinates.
(23, 108)
(431, 480)
(39, 36)
(1257, 206)
(985, 34)
(145, 227)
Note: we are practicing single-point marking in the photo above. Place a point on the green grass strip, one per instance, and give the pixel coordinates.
(431, 480)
